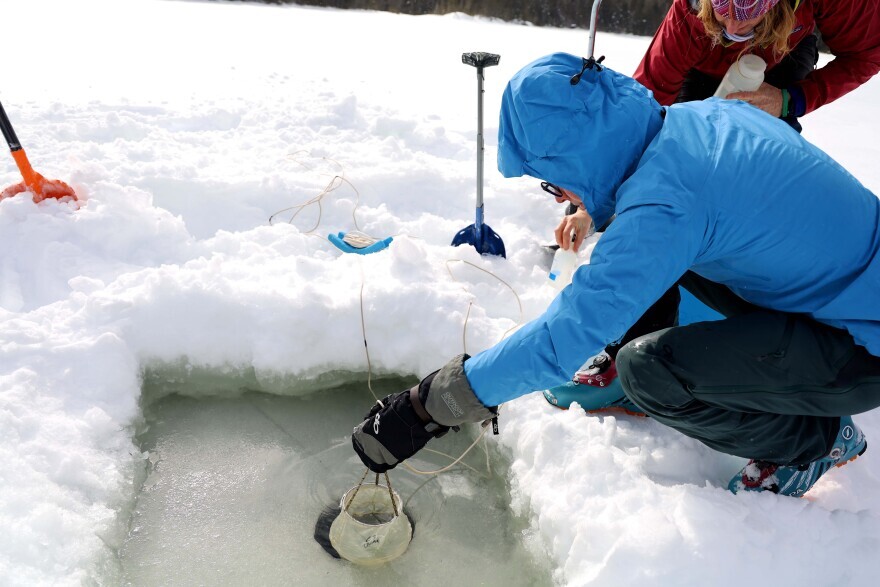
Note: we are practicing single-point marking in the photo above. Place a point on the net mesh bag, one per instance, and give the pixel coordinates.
(371, 529)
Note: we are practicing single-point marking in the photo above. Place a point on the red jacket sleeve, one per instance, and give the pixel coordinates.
(851, 30)
(676, 47)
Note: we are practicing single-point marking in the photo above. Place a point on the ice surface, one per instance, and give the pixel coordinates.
(236, 485)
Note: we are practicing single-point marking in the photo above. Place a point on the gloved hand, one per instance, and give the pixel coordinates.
(404, 422)
(392, 431)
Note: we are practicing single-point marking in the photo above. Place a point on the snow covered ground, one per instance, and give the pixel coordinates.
(184, 126)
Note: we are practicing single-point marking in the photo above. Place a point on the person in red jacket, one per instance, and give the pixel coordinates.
(699, 40)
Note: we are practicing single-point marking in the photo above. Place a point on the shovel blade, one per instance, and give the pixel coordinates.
(484, 239)
(41, 189)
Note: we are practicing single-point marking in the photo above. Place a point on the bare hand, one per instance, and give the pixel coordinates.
(767, 98)
(578, 223)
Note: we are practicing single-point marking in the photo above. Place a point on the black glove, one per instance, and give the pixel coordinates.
(404, 422)
(393, 431)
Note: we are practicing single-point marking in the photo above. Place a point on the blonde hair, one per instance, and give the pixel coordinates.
(773, 30)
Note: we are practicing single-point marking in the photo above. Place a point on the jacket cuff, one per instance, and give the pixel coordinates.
(797, 105)
(451, 401)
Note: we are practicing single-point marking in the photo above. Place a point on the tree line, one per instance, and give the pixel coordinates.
(638, 17)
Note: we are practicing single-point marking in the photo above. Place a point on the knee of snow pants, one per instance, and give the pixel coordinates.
(764, 385)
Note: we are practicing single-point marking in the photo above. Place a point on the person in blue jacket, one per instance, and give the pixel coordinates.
(716, 195)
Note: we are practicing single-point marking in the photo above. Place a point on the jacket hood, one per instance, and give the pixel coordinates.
(587, 137)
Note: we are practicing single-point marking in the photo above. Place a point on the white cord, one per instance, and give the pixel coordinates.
(354, 238)
(360, 240)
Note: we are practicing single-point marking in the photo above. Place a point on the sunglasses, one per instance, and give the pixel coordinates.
(552, 189)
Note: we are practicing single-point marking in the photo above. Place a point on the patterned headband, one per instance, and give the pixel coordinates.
(744, 9)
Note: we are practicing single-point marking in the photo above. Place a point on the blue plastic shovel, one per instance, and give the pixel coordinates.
(478, 234)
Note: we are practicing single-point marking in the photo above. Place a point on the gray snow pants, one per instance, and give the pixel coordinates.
(758, 384)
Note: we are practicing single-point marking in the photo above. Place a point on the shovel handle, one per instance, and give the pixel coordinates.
(31, 177)
(8, 131)
(480, 59)
(594, 17)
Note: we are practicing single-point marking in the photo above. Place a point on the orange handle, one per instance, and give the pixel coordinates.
(33, 181)
(31, 177)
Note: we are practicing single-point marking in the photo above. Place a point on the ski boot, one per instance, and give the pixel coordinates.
(796, 480)
(596, 389)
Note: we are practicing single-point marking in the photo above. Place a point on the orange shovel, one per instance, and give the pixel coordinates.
(39, 186)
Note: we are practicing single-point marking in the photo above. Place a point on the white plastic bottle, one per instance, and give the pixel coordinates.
(562, 269)
(745, 75)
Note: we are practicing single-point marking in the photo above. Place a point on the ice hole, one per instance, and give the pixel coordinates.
(234, 485)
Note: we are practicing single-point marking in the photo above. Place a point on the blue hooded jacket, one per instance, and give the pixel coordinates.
(716, 187)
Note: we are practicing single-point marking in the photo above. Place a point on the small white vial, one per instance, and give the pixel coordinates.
(745, 75)
(562, 269)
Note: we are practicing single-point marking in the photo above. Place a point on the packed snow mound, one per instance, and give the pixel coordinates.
(170, 269)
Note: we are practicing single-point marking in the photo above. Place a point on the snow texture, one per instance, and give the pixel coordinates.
(184, 126)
